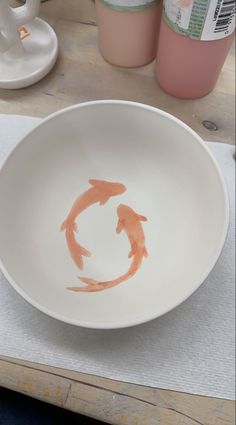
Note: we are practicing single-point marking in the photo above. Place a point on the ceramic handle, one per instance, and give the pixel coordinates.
(10, 21)
(26, 13)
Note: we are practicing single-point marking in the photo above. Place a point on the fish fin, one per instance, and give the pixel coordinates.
(95, 182)
(85, 252)
(78, 254)
(63, 226)
(141, 217)
(88, 281)
(78, 259)
(133, 251)
(104, 199)
(120, 226)
(66, 225)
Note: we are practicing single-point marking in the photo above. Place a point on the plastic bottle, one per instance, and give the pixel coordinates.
(194, 40)
(128, 30)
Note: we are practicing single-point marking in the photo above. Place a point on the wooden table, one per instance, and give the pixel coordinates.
(80, 75)
(111, 401)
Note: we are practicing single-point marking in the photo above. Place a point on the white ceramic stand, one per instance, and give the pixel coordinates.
(24, 61)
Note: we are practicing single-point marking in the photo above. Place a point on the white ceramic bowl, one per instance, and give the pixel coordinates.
(171, 178)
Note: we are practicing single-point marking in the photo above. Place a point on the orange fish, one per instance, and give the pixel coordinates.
(101, 191)
(130, 222)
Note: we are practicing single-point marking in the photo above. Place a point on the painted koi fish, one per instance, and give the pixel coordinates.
(130, 222)
(100, 192)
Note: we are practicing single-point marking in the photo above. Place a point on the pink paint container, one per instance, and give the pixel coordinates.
(128, 30)
(195, 38)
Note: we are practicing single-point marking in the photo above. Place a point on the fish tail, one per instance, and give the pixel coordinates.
(88, 288)
(95, 286)
(77, 251)
(105, 284)
(88, 281)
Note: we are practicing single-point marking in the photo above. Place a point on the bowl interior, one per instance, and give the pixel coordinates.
(170, 178)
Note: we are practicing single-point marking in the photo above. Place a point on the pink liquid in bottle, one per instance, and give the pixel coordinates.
(188, 67)
(127, 36)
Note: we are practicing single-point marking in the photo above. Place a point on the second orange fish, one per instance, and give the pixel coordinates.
(100, 192)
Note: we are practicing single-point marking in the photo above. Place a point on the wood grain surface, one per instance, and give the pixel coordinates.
(72, 10)
(81, 74)
(111, 401)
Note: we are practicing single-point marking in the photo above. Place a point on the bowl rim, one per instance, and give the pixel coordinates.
(199, 281)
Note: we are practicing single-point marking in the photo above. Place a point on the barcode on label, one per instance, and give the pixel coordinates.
(205, 20)
(225, 16)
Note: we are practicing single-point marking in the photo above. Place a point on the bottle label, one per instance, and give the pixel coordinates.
(201, 19)
(130, 5)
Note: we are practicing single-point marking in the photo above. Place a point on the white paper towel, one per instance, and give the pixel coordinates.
(190, 349)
